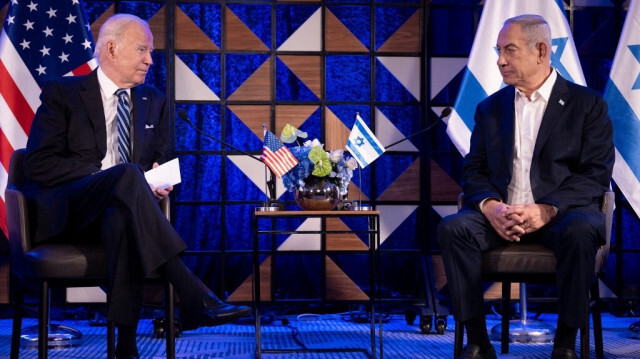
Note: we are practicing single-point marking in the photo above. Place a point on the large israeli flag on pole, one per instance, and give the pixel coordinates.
(482, 76)
(623, 97)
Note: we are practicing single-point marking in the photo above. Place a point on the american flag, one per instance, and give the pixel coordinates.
(276, 155)
(40, 40)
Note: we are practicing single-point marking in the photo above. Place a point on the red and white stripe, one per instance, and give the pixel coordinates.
(280, 162)
(19, 100)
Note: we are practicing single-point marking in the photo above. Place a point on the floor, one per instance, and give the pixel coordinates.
(236, 341)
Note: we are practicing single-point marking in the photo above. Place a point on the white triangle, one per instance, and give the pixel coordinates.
(189, 87)
(445, 210)
(304, 241)
(443, 70)
(406, 70)
(307, 37)
(388, 133)
(391, 217)
(255, 171)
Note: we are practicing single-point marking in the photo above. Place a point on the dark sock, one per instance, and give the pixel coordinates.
(188, 286)
(477, 333)
(126, 341)
(565, 336)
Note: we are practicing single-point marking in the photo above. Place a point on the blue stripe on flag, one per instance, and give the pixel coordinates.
(354, 151)
(365, 133)
(469, 96)
(627, 127)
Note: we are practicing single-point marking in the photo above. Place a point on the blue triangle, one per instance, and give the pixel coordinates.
(289, 87)
(388, 88)
(239, 135)
(389, 168)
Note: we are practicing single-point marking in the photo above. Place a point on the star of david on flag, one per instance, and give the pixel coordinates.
(40, 40)
(482, 76)
(622, 94)
(363, 144)
(276, 155)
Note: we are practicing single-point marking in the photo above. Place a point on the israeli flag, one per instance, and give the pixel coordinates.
(622, 94)
(482, 76)
(362, 144)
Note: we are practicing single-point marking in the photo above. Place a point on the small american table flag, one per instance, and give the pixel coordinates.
(276, 155)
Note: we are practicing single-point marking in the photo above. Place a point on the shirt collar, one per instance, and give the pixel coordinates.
(545, 90)
(108, 87)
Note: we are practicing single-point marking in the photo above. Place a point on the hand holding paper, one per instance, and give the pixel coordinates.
(164, 176)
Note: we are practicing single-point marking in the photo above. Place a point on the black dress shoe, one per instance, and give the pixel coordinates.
(128, 357)
(472, 351)
(563, 353)
(213, 312)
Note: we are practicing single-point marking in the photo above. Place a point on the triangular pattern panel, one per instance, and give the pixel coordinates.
(395, 123)
(154, 14)
(197, 77)
(248, 77)
(307, 69)
(406, 187)
(342, 242)
(389, 88)
(248, 27)
(339, 37)
(388, 168)
(398, 226)
(198, 27)
(406, 70)
(98, 13)
(348, 78)
(242, 179)
(304, 117)
(290, 18)
(244, 126)
(207, 118)
(404, 22)
(244, 292)
(290, 87)
(339, 286)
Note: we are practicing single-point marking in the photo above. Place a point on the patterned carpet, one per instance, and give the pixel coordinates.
(237, 341)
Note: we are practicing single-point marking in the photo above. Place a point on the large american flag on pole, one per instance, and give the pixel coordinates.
(276, 155)
(40, 40)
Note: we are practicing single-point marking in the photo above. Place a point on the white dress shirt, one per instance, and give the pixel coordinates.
(528, 117)
(110, 104)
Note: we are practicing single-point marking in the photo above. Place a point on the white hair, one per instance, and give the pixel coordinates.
(113, 30)
(535, 29)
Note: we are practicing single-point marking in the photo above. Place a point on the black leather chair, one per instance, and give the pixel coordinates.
(534, 263)
(57, 265)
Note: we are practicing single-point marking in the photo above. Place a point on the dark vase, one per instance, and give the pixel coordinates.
(318, 194)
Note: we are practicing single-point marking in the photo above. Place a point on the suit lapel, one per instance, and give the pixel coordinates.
(552, 115)
(140, 101)
(90, 95)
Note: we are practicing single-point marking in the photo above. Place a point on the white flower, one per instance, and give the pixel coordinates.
(314, 143)
(352, 164)
(336, 156)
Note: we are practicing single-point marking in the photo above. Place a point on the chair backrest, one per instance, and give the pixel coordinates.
(17, 213)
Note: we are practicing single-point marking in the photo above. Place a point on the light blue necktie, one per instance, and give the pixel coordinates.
(124, 124)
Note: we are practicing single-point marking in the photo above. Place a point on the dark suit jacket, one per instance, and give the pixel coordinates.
(573, 155)
(68, 141)
(68, 137)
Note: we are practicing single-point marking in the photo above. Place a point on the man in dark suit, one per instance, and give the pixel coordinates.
(91, 140)
(541, 156)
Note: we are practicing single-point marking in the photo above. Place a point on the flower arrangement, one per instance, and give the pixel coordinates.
(316, 164)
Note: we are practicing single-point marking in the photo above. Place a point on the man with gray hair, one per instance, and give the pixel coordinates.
(91, 140)
(541, 157)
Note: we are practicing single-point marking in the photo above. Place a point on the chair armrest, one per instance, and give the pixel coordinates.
(165, 206)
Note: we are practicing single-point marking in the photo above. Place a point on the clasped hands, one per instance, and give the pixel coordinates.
(513, 221)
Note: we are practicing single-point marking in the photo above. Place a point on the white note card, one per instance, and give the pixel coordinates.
(165, 175)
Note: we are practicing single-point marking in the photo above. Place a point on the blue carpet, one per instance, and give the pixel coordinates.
(238, 341)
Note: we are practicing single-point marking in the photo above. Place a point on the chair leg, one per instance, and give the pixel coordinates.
(17, 295)
(43, 321)
(111, 340)
(457, 341)
(597, 320)
(584, 339)
(169, 314)
(506, 316)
